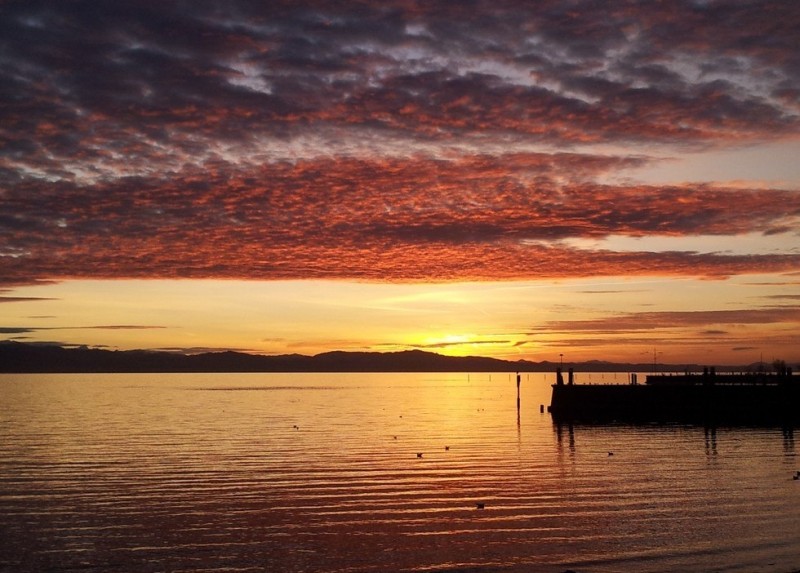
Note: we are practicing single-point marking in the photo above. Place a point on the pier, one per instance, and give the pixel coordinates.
(707, 398)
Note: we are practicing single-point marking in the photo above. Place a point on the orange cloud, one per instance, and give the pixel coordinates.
(305, 140)
(647, 321)
(474, 217)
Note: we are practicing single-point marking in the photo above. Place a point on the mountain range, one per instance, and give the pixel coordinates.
(23, 357)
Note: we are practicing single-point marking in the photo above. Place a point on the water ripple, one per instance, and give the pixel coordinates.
(140, 473)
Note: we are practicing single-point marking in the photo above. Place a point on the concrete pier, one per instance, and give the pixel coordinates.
(728, 399)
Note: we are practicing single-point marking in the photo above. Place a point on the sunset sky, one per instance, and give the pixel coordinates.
(516, 179)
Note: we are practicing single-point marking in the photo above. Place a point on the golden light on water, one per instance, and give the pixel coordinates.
(374, 472)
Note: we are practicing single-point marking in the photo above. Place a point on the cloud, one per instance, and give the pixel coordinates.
(698, 344)
(149, 85)
(609, 291)
(204, 350)
(791, 297)
(490, 342)
(27, 329)
(119, 327)
(397, 141)
(473, 217)
(649, 321)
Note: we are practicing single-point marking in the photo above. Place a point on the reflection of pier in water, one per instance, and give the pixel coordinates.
(560, 429)
(711, 441)
(565, 434)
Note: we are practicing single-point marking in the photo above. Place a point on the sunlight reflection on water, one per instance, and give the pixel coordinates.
(373, 472)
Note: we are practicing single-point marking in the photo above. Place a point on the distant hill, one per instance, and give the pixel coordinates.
(21, 357)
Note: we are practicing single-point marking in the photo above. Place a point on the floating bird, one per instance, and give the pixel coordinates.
(394, 437)
(480, 505)
(796, 475)
(419, 455)
(296, 427)
(610, 453)
(447, 448)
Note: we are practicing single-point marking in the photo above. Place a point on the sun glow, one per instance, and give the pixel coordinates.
(452, 344)
(471, 344)
(618, 319)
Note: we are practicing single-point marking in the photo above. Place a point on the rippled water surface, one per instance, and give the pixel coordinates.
(374, 472)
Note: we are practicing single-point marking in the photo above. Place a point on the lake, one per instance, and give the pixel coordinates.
(374, 472)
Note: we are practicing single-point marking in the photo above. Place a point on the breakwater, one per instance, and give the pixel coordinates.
(689, 398)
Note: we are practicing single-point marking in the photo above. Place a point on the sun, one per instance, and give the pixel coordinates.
(463, 344)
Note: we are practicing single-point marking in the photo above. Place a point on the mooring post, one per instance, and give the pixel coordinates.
(518, 381)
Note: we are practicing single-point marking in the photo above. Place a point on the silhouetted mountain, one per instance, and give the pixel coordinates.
(406, 361)
(21, 357)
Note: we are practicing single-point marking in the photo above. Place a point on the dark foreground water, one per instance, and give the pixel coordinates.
(321, 473)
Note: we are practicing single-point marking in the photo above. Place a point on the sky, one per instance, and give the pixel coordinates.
(551, 180)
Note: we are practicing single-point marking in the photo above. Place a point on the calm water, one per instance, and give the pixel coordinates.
(319, 473)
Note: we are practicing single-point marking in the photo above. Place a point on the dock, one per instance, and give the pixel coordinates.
(708, 398)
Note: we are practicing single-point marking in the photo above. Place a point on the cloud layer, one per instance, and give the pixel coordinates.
(723, 330)
(401, 141)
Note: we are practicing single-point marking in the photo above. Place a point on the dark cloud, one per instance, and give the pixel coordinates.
(40, 342)
(648, 321)
(204, 349)
(439, 345)
(26, 329)
(89, 83)
(614, 292)
(698, 344)
(121, 327)
(303, 140)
